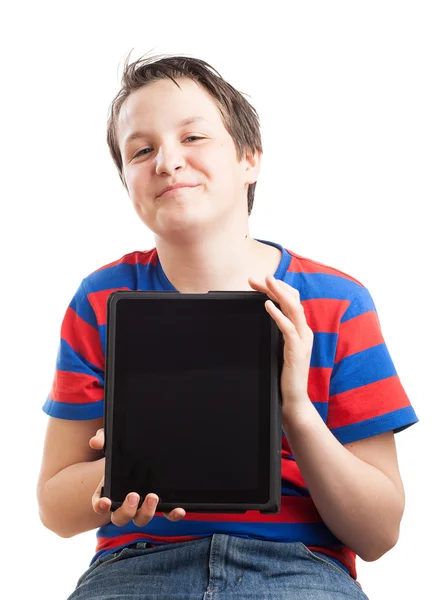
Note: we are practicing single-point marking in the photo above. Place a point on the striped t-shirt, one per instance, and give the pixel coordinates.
(352, 383)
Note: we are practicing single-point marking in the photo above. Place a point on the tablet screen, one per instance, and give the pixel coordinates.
(191, 402)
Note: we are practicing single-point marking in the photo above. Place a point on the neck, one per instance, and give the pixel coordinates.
(222, 262)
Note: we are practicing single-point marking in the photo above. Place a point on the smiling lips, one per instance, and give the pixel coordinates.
(171, 188)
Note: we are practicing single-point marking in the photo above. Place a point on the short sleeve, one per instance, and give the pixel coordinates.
(77, 389)
(366, 396)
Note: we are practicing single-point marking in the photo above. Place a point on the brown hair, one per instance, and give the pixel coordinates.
(239, 117)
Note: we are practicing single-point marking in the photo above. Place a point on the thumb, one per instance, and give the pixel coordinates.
(97, 441)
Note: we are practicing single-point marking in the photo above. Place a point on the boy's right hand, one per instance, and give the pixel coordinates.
(128, 512)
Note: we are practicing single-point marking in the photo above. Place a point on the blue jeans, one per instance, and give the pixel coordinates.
(219, 567)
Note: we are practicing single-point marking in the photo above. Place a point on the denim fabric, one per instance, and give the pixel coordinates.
(219, 567)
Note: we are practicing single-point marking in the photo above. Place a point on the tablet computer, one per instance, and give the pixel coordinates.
(192, 401)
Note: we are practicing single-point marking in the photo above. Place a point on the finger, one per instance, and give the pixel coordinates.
(290, 304)
(260, 286)
(175, 515)
(127, 511)
(147, 510)
(286, 326)
(102, 505)
(97, 441)
(99, 504)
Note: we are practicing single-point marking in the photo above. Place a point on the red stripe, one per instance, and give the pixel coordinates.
(301, 264)
(294, 509)
(291, 473)
(139, 257)
(358, 334)
(319, 383)
(324, 314)
(98, 301)
(82, 338)
(357, 405)
(75, 388)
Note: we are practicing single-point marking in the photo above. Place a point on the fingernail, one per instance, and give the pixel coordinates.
(151, 503)
(133, 500)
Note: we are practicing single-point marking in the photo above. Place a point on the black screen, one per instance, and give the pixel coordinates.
(191, 399)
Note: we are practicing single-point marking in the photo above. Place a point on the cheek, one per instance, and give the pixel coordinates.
(132, 181)
(213, 166)
(133, 190)
(138, 186)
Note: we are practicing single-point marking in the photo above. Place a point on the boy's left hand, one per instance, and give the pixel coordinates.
(298, 337)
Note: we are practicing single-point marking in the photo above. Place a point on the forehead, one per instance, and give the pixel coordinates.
(162, 105)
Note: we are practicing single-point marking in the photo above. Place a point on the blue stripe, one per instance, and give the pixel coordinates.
(394, 421)
(313, 534)
(74, 412)
(81, 305)
(117, 276)
(324, 350)
(290, 489)
(102, 333)
(73, 362)
(322, 408)
(362, 303)
(322, 285)
(361, 368)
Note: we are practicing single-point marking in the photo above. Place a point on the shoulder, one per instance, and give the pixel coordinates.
(325, 289)
(302, 264)
(120, 273)
(134, 258)
(125, 273)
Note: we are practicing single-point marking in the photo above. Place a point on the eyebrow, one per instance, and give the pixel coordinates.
(142, 134)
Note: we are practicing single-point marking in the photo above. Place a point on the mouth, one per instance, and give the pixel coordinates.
(177, 190)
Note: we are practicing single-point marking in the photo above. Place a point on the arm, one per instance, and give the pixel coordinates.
(70, 473)
(71, 470)
(71, 478)
(356, 487)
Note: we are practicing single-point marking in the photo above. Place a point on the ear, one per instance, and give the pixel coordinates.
(252, 164)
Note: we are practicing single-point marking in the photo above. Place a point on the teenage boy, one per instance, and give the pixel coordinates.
(187, 147)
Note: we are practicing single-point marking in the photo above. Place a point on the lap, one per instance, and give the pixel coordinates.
(219, 567)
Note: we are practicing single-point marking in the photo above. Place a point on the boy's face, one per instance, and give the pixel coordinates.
(167, 152)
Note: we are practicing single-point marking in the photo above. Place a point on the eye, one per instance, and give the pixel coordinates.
(191, 137)
(194, 137)
(139, 153)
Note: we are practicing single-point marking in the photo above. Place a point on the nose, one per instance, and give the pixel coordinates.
(169, 159)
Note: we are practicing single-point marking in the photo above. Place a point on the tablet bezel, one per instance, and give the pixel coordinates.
(272, 505)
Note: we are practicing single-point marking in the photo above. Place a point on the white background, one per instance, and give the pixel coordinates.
(349, 96)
